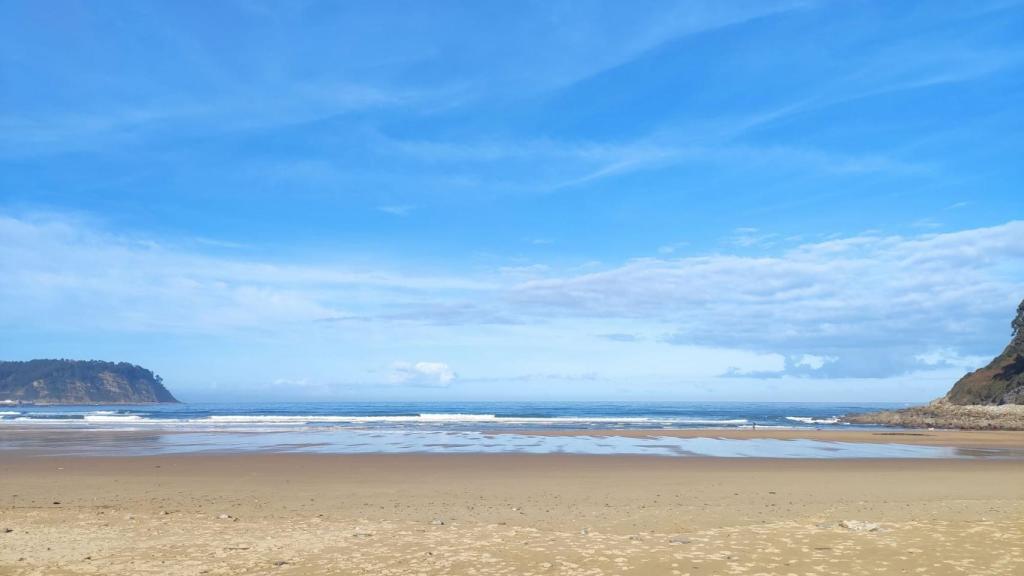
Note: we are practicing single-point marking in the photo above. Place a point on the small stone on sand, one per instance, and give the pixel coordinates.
(859, 526)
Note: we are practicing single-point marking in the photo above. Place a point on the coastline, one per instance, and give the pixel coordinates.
(494, 514)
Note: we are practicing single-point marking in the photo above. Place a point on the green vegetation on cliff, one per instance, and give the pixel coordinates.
(80, 382)
(1002, 381)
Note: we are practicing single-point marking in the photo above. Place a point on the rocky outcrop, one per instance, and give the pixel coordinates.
(1002, 381)
(80, 382)
(942, 414)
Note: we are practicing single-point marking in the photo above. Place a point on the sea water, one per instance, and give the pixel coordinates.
(439, 415)
(451, 428)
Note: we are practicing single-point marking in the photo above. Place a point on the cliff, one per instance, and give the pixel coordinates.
(990, 398)
(1002, 381)
(80, 382)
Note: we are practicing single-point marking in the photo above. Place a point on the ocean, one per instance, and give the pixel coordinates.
(480, 416)
(594, 428)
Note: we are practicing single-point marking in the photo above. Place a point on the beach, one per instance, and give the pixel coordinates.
(550, 288)
(279, 513)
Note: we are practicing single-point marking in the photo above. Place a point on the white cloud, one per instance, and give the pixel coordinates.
(926, 223)
(751, 237)
(813, 362)
(949, 357)
(422, 374)
(397, 209)
(292, 382)
(668, 249)
(526, 272)
(621, 337)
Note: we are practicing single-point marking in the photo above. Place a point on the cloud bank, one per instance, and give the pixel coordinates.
(865, 306)
(867, 291)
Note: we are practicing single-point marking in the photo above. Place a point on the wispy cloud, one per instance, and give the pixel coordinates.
(747, 237)
(59, 268)
(554, 165)
(570, 42)
(397, 209)
(260, 108)
(907, 67)
(620, 337)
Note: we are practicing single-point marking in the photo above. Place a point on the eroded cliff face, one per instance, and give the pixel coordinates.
(80, 382)
(1002, 381)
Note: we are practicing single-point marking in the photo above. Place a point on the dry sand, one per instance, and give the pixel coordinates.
(507, 514)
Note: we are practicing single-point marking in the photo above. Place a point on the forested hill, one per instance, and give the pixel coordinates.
(80, 382)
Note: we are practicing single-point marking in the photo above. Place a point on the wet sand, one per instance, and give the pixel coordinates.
(157, 440)
(507, 514)
(915, 437)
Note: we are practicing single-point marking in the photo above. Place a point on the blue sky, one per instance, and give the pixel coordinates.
(512, 200)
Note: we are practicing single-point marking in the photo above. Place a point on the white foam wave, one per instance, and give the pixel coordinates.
(457, 418)
(700, 421)
(9, 413)
(32, 420)
(268, 419)
(234, 421)
(97, 417)
(807, 420)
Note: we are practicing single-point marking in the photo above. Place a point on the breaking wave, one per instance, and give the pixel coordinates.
(806, 420)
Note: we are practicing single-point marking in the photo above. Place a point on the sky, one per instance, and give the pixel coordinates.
(799, 200)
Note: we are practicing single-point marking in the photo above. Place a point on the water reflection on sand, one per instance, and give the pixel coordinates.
(356, 441)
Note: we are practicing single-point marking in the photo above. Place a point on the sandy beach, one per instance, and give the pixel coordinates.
(510, 514)
(556, 288)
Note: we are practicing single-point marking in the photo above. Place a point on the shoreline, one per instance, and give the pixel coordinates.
(888, 435)
(689, 444)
